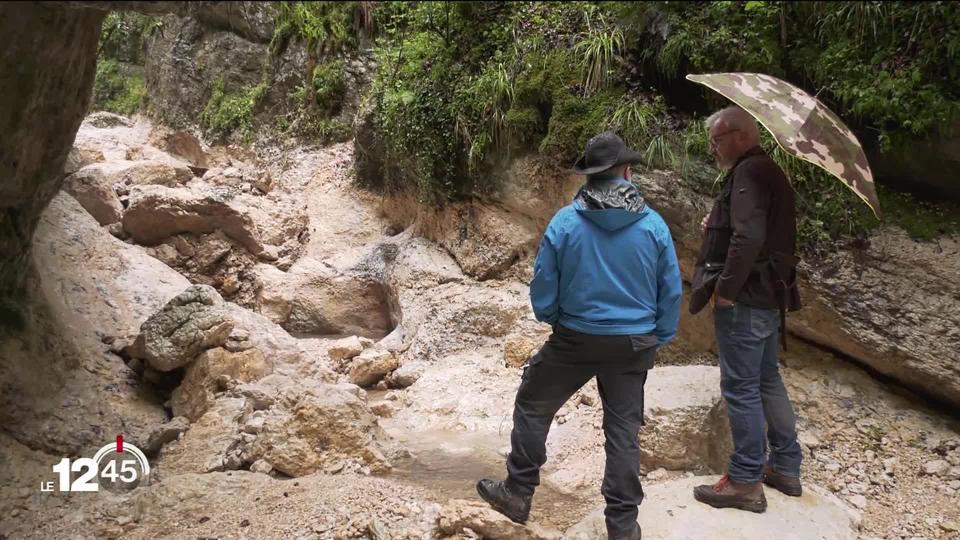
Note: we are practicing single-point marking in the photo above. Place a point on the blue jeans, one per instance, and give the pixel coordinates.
(751, 385)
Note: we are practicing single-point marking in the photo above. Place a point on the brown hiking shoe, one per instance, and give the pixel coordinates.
(728, 493)
(788, 485)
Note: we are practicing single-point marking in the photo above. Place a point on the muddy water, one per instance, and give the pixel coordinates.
(449, 463)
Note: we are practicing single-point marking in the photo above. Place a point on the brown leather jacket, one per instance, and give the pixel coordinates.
(749, 249)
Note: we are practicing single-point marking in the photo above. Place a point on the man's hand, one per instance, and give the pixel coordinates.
(703, 224)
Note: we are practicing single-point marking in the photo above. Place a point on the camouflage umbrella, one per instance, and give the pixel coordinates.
(802, 126)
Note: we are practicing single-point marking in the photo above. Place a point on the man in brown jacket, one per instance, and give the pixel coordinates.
(747, 265)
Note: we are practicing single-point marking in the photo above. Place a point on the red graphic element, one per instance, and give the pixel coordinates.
(119, 444)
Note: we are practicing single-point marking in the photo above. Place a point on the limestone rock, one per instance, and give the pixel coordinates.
(196, 393)
(345, 349)
(84, 286)
(936, 468)
(318, 427)
(404, 376)
(189, 324)
(79, 158)
(518, 349)
(686, 429)
(212, 443)
(669, 512)
(166, 433)
(314, 298)
(261, 466)
(371, 366)
(94, 193)
(181, 144)
(458, 515)
(156, 213)
(686, 420)
(147, 173)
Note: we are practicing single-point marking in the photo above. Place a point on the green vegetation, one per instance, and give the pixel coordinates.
(329, 86)
(226, 113)
(117, 88)
(123, 36)
(461, 86)
(328, 27)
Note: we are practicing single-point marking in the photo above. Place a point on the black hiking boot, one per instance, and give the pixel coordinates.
(728, 493)
(498, 495)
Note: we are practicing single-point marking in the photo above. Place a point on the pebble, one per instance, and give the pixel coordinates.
(950, 526)
(15, 513)
(657, 474)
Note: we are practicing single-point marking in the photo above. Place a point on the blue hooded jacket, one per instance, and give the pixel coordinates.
(607, 266)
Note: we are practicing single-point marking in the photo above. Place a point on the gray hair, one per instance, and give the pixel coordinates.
(736, 118)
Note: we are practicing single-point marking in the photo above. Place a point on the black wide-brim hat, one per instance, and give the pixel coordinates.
(604, 151)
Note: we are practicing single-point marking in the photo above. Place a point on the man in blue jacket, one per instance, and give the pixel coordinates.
(606, 278)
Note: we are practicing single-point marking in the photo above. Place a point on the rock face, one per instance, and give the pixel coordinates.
(898, 306)
(669, 512)
(42, 110)
(62, 388)
(184, 59)
(485, 240)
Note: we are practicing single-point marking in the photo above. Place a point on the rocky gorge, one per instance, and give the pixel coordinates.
(300, 356)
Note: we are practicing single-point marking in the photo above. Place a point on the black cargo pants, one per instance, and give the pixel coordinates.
(566, 362)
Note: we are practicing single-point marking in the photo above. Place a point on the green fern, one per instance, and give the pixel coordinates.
(599, 48)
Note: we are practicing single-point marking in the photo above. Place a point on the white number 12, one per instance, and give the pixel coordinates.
(80, 484)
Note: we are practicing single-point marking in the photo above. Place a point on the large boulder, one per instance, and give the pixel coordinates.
(319, 427)
(669, 512)
(314, 298)
(270, 227)
(189, 324)
(92, 189)
(157, 213)
(686, 429)
(893, 305)
(211, 372)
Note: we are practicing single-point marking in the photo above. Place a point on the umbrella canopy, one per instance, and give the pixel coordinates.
(801, 125)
